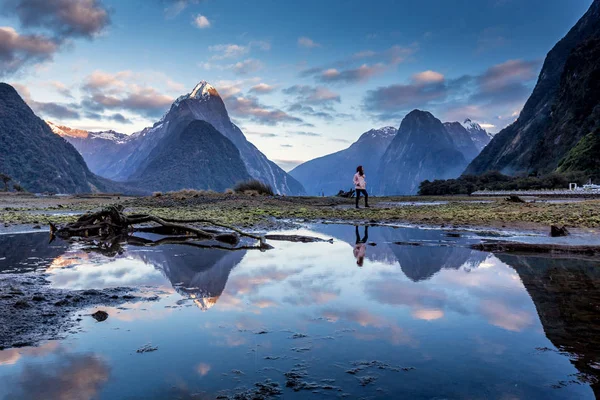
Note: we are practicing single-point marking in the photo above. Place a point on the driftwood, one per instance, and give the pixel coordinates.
(348, 194)
(111, 225)
(514, 199)
(109, 228)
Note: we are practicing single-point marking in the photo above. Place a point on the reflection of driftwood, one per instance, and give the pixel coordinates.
(297, 238)
(538, 248)
(348, 194)
(111, 224)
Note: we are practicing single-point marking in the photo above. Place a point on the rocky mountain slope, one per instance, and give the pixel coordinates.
(36, 157)
(422, 149)
(100, 150)
(197, 156)
(562, 110)
(462, 139)
(330, 173)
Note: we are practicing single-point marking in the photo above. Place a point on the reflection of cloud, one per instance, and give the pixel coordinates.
(385, 329)
(397, 292)
(500, 315)
(311, 290)
(71, 377)
(203, 369)
(11, 356)
(264, 302)
(251, 282)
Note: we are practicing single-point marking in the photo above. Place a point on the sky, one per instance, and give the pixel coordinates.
(301, 78)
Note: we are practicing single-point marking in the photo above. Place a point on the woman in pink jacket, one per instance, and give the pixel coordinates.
(360, 184)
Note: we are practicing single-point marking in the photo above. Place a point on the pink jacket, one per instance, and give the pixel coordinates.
(360, 181)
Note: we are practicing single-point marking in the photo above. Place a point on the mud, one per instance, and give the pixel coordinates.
(32, 312)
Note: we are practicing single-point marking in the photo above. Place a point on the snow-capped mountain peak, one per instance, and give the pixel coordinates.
(383, 133)
(203, 89)
(471, 126)
(65, 131)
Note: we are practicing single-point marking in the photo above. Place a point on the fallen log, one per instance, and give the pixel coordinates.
(111, 224)
(297, 238)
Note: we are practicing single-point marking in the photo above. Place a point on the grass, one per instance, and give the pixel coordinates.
(253, 187)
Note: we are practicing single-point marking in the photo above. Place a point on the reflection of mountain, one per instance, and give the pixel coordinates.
(28, 250)
(420, 263)
(200, 274)
(417, 262)
(566, 294)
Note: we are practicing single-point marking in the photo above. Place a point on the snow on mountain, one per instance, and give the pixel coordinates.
(480, 136)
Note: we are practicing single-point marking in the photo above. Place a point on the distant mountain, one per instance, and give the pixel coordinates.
(37, 158)
(462, 139)
(197, 156)
(333, 172)
(202, 103)
(479, 136)
(422, 149)
(100, 150)
(563, 109)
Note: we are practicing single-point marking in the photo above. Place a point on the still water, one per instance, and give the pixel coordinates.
(346, 319)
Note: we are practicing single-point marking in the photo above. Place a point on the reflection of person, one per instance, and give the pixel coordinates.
(360, 184)
(360, 248)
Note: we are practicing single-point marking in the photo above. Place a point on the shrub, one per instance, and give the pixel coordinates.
(157, 194)
(253, 185)
(18, 187)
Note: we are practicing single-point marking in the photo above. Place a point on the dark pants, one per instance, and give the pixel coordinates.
(365, 238)
(364, 192)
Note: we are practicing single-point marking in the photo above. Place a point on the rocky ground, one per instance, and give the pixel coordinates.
(32, 312)
(260, 212)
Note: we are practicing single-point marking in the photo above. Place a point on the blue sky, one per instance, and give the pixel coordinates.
(301, 78)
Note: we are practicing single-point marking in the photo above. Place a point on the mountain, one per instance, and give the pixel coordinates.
(333, 172)
(479, 136)
(37, 158)
(100, 150)
(562, 110)
(422, 149)
(197, 156)
(202, 103)
(462, 139)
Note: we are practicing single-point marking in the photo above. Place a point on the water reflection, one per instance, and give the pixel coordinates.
(566, 294)
(473, 325)
(360, 246)
(72, 376)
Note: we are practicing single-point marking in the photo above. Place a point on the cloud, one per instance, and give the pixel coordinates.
(349, 75)
(393, 56)
(288, 165)
(393, 100)
(310, 111)
(428, 77)
(246, 67)
(227, 51)
(175, 7)
(307, 43)
(304, 133)
(46, 110)
(201, 22)
(65, 18)
(61, 88)
(118, 91)
(498, 91)
(262, 88)
(18, 50)
(313, 94)
(232, 50)
(250, 108)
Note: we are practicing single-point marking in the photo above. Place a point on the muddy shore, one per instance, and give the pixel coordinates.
(259, 212)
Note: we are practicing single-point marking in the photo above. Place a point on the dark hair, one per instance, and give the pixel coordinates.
(359, 169)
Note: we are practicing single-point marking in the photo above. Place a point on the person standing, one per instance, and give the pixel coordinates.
(360, 184)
